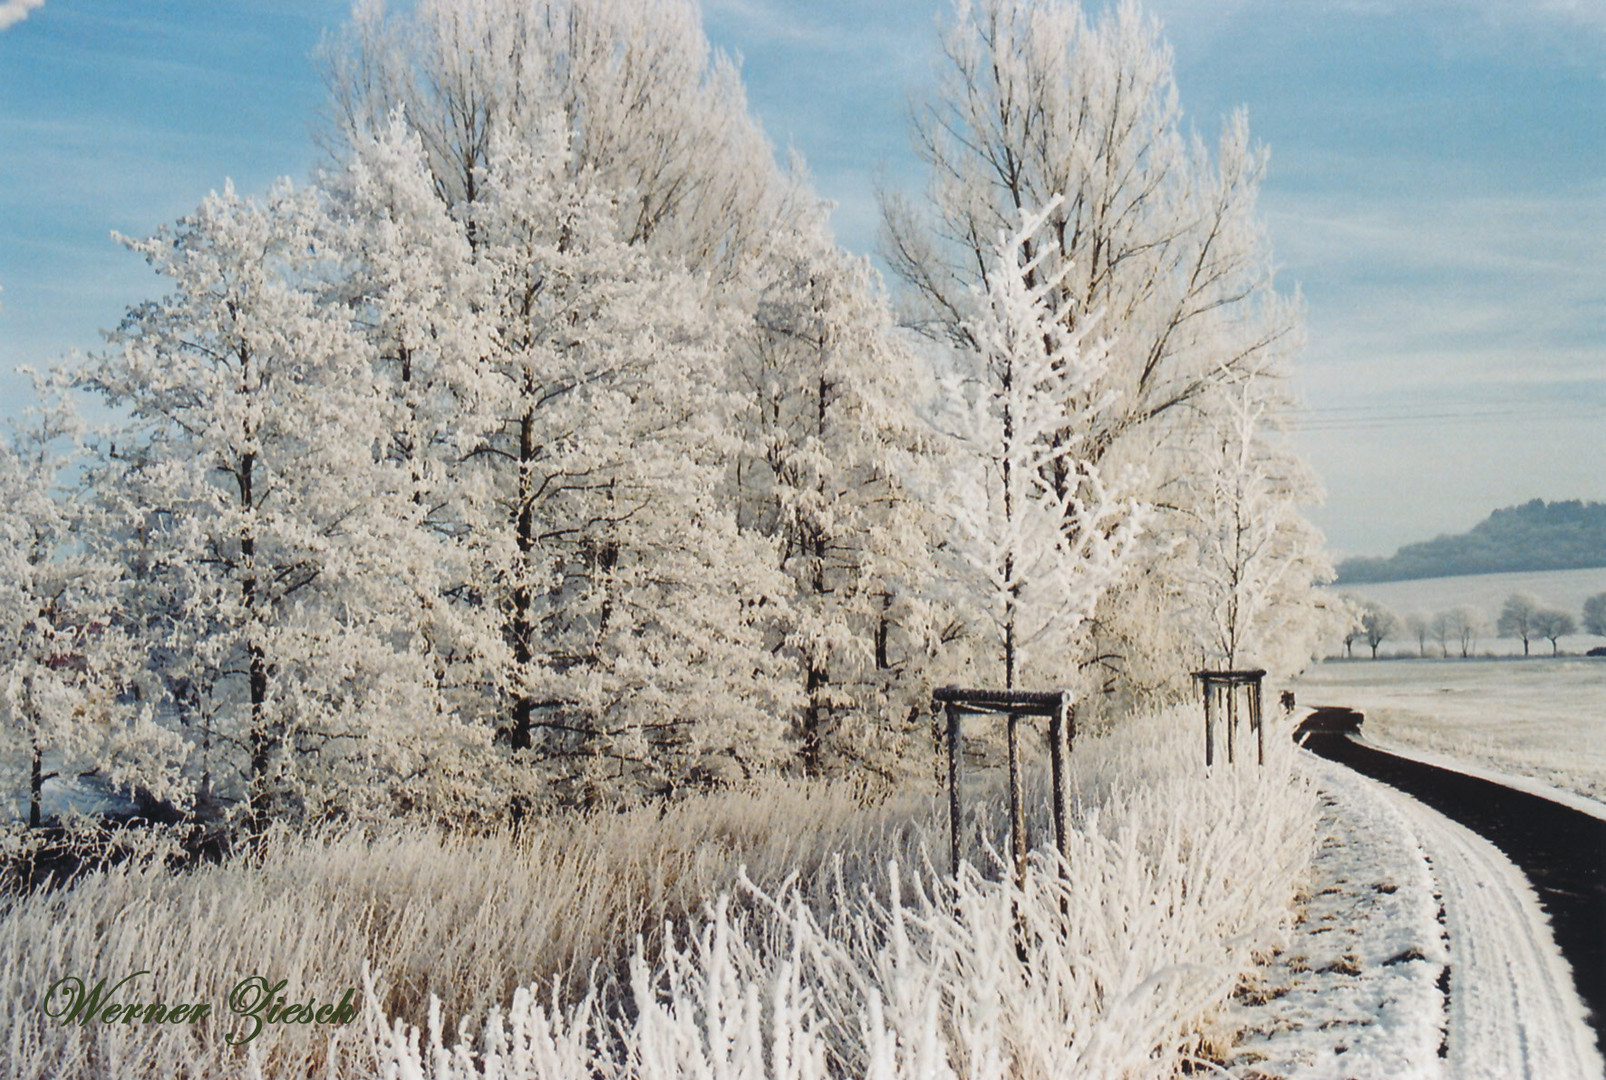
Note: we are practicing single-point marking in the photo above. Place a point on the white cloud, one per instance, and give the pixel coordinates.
(764, 21)
(1499, 17)
(14, 11)
(1586, 12)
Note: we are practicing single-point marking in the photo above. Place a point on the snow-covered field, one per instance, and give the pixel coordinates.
(1540, 718)
(1562, 590)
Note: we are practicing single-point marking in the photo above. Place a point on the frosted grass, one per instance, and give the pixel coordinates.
(1112, 963)
(786, 931)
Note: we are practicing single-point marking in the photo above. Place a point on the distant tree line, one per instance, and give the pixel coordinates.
(1522, 616)
(1533, 537)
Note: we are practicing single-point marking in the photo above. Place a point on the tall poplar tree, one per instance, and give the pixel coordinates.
(1155, 232)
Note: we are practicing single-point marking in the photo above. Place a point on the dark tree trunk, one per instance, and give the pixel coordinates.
(520, 737)
(882, 626)
(36, 783)
(816, 715)
(264, 740)
(814, 718)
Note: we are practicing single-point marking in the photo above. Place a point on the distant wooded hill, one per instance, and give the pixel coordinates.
(1518, 539)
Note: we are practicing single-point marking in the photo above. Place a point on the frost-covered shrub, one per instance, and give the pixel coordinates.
(1106, 964)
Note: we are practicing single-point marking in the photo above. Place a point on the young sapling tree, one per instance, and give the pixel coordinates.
(1038, 534)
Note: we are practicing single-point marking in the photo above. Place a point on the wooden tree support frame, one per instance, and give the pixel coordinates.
(1014, 704)
(1220, 691)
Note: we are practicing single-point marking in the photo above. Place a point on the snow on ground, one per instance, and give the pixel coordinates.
(1539, 718)
(1562, 590)
(1399, 895)
(60, 796)
(1355, 992)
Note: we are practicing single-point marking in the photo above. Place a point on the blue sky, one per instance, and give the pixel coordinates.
(1437, 192)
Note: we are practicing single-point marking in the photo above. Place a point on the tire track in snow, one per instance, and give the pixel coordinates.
(1514, 1010)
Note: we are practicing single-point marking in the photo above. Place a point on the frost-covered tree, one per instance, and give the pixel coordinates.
(1378, 624)
(409, 278)
(1038, 534)
(1160, 236)
(1552, 625)
(633, 612)
(1442, 629)
(1248, 562)
(247, 492)
(830, 437)
(40, 703)
(66, 665)
(1463, 625)
(656, 119)
(1595, 615)
(1419, 626)
(613, 195)
(1517, 618)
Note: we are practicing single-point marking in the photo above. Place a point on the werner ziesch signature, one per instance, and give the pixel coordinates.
(254, 1000)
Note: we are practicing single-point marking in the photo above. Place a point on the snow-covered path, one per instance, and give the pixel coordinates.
(1513, 1011)
(1400, 893)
